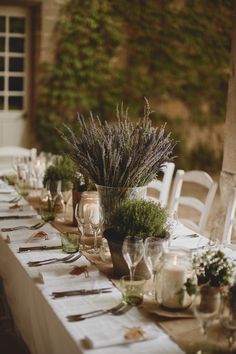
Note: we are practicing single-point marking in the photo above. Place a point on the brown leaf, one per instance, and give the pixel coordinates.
(79, 270)
(134, 333)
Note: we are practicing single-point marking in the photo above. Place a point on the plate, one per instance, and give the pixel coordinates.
(157, 309)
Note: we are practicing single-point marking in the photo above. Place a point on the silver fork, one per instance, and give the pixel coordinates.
(113, 310)
(67, 259)
(33, 227)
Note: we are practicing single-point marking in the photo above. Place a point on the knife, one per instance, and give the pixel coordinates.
(38, 248)
(82, 292)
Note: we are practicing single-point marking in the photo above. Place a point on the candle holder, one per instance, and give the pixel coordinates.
(175, 271)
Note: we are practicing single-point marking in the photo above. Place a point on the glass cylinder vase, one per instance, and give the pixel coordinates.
(111, 197)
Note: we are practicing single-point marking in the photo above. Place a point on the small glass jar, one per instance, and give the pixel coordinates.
(175, 270)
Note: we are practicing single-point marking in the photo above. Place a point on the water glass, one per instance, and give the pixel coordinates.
(70, 242)
(132, 289)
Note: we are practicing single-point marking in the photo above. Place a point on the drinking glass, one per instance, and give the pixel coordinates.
(95, 220)
(206, 306)
(66, 195)
(81, 218)
(153, 251)
(132, 250)
(228, 317)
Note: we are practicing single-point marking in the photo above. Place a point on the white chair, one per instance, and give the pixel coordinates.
(158, 190)
(200, 208)
(230, 219)
(9, 153)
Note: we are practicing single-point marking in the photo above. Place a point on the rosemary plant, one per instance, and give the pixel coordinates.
(124, 154)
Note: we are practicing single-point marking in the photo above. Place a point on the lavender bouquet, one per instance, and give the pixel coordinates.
(123, 154)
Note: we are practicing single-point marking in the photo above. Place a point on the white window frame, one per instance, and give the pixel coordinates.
(15, 11)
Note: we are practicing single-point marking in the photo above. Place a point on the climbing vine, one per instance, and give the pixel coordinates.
(112, 51)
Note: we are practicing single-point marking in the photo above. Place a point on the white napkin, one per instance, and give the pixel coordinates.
(18, 213)
(59, 271)
(5, 189)
(30, 236)
(190, 242)
(101, 339)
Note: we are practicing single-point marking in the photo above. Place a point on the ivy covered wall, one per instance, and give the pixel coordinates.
(174, 52)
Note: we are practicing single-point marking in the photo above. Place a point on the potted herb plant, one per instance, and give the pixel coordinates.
(63, 169)
(140, 218)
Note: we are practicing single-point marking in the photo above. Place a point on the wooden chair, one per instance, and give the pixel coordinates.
(9, 153)
(230, 219)
(158, 190)
(200, 208)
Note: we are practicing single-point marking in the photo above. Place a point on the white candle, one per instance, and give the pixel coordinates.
(173, 279)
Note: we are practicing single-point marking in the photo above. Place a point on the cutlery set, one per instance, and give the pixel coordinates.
(68, 259)
(39, 248)
(38, 225)
(80, 292)
(190, 235)
(117, 310)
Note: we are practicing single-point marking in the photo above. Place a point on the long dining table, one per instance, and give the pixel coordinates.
(42, 319)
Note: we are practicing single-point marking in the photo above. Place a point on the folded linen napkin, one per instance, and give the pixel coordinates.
(25, 235)
(101, 339)
(59, 271)
(18, 213)
(5, 189)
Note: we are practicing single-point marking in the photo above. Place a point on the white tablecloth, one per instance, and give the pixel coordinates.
(41, 319)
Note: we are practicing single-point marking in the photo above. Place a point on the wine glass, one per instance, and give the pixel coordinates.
(132, 250)
(95, 220)
(153, 251)
(228, 317)
(67, 195)
(206, 306)
(81, 218)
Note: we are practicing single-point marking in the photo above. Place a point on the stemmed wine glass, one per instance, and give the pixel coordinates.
(95, 219)
(66, 197)
(132, 250)
(153, 251)
(81, 218)
(206, 306)
(228, 317)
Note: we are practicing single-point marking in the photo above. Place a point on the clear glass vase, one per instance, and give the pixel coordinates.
(111, 197)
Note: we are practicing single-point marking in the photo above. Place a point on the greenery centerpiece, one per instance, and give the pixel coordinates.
(119, 157)
(62, 169)
(214, 271)
(214, 268)
(139, 218)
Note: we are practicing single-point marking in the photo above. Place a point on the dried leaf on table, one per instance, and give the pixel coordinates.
(134, 333)
(79, 270)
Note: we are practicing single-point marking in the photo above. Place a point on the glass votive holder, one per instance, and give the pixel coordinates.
(70, 242)
(132, 289)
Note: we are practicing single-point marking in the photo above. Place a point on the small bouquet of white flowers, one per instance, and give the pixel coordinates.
(214, 268)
